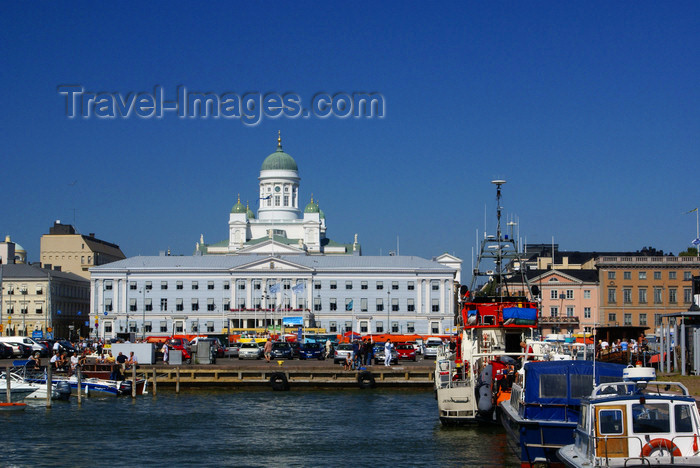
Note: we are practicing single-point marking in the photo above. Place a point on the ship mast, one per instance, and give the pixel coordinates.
(499, 253)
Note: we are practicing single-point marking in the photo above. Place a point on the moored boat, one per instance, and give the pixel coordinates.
(636, 422)
(544, 406)
(471, 379)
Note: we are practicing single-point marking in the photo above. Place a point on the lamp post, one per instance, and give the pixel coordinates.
(388, 310)
(24, 310)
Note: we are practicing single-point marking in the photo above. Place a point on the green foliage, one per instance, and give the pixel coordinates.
(691, 252)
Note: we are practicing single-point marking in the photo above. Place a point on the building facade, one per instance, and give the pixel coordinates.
(569, 300)
(638, 290)
(168, 295)
(42, 301)
(65, 250)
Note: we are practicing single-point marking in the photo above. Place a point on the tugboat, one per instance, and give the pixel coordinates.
(473, 377)
(632, 423)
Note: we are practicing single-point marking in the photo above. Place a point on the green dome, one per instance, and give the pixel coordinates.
(279, 160)
(238, 207)
(250, 214)
(312, 207)
(320, 212)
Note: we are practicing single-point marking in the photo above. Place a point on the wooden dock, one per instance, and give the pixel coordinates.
(296, 378)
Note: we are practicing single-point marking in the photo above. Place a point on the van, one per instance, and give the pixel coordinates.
(27, 341)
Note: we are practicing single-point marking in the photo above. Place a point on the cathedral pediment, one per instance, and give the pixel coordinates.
(271, 263)
(270, 247)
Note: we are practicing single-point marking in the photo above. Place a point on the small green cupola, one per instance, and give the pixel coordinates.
(311, 207)
(249, 212)
(238, 207)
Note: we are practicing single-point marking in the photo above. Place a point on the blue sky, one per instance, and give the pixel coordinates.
(588, 109)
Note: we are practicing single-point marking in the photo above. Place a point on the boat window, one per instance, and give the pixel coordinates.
(584, 417)
(650, 417)
(610, 421)
(682, 414)
(581, 385)
(553, 386)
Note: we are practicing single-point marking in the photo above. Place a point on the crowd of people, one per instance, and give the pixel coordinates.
(631, 345)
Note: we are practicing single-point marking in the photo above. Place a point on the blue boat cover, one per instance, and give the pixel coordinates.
(553, 389)
(524, 313)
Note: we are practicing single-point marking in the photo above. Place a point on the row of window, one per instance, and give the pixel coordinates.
(364, 327)
(179, 305)
(627, 318)
(554, 312)
(24, 310)
(642, 295)
(133, 285)
(642, 275)
(332, 304)
(568, 294)
(286, 284)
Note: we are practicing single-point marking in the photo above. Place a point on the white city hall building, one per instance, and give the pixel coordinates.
(277, 268)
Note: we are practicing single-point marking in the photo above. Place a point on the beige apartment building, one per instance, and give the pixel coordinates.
(38, 300)
(65, 250)
(638, 290)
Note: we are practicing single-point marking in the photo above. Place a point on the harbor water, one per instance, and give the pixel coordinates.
(248, 428)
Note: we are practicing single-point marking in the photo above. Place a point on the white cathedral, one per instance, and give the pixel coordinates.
(272, 271)
(280, 228)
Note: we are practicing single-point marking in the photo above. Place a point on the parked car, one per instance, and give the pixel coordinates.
(5, 351)
(216, 345)
(295, 349)
(65, 346)
(177, 343)
(20, 350)
(341, 352)
(182, 342)
(311, 351)
(282, 350)
(432, 345)
(232, 350)
(250, 350)
(379, 355)
(406, 351)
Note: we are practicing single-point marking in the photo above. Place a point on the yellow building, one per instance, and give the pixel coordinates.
(75, 253)
(36, 299)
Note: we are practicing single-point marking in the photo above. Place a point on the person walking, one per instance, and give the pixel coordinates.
(165, 350)
(268, 350)
(328, 348)
(387, 353)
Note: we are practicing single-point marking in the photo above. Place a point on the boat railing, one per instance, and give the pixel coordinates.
(641, 459)
(631, 387)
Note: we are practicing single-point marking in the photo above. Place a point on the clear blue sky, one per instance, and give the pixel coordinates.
(590, 110)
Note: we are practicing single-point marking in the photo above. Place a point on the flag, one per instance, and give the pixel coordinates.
(691, 211)
(348, 306)
(274, 289)
(695, 242)
(299, 288)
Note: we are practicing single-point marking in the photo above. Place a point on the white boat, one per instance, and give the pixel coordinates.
(22, 389)
(470, 382)
(636, 422)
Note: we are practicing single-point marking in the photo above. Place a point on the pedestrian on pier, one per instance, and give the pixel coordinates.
(164, 350)
(387, 353)
(268, 350)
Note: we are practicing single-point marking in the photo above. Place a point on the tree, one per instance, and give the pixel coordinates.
(691, 252)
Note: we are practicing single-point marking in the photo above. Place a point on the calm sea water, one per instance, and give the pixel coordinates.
(248, 428)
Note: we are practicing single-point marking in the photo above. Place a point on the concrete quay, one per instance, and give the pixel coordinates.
(297, 374)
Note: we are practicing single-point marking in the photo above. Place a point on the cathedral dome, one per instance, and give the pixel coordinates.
(238, 207)
(279, 160)
(312, 207)
(249, 212)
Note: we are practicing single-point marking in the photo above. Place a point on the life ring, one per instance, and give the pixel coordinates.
(366, 380)
(279, 382)
(660, 443)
